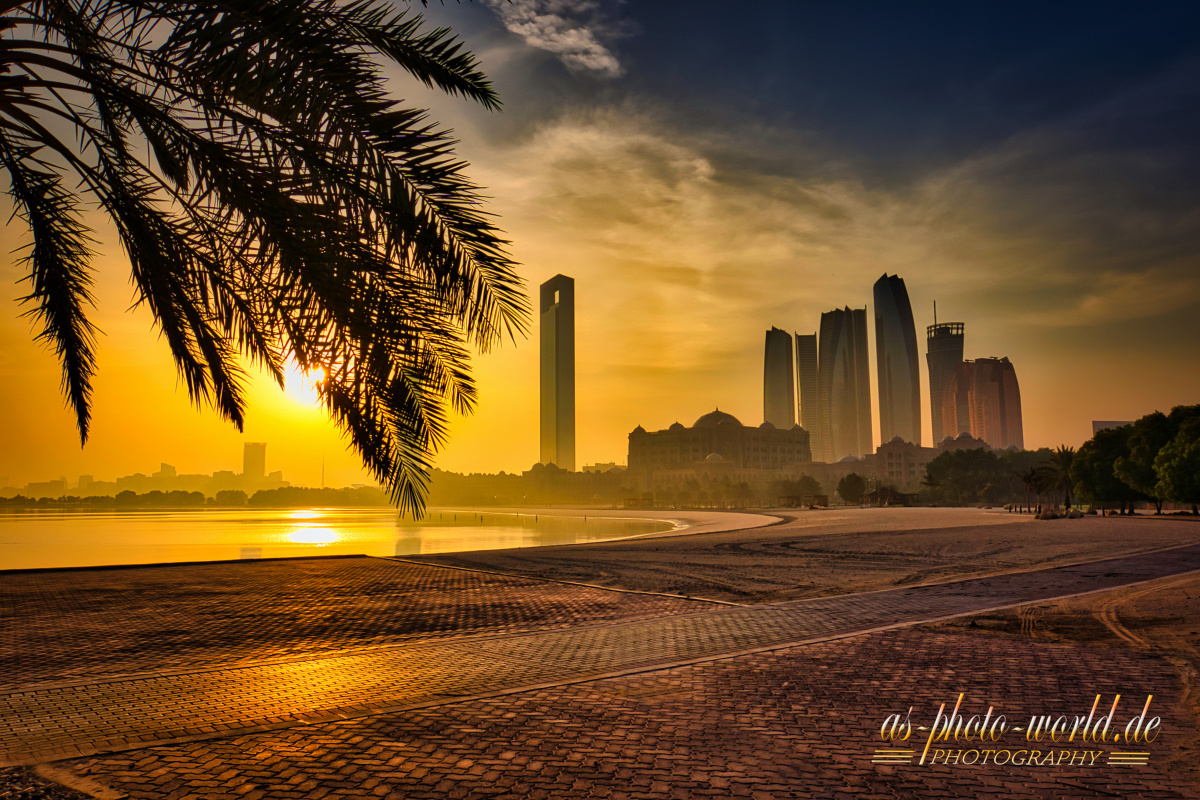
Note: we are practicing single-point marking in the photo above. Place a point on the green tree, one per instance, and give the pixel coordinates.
(273, 199)
(852, 487)
(968, 476)
(1093, 469)
(1178, 466)
(808, 486)
(1146, 439)
(230, 497)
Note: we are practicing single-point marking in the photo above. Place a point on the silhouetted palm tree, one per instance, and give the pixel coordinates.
(1035, 483)
(1056, 472)
(273, 199)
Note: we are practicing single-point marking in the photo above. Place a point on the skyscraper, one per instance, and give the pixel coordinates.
(844, 385)
(806, 378)
(896, 360)
(779, 383)
(945, 353)
(983, 399)
(254, 461)
(557, 307)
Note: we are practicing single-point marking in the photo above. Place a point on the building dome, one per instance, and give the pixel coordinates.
(638, 429)
(766, 426)
(676, 428)
(847, 459)
(715, 418)
(714, 458)
(897, 440)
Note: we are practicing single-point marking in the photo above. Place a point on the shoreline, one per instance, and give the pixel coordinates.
(56, 540)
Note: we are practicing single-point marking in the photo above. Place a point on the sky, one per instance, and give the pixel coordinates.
(705, 171)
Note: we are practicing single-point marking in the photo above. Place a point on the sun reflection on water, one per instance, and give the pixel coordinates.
(313, 534)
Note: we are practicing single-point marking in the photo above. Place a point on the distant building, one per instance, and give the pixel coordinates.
(806, 380)
(254, 462)
(901, 463)
(945, 352)
(896, 360)
(54, 489)
(223, 479)
(1104, 424)
(717, 441)
(964, 441)
(601, 467)
(779, 383)
(557, 320)
(984, 400)
(844, 385)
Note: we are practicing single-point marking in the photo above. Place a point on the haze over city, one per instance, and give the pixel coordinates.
(1041, 190)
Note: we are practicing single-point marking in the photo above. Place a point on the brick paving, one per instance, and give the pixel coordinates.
(799, 722)
(47, 722)
(71, 624)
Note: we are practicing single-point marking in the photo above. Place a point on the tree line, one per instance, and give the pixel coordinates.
(1155, 459)
(286, 497)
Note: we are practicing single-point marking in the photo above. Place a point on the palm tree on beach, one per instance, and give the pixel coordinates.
(1056, 472)
(274, 202)
(1035, 483)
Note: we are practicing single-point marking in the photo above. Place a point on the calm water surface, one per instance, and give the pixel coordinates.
(82, 539)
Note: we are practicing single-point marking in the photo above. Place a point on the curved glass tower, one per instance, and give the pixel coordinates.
(779, 384)
(806, 380)
(896, 360)
(983, 399)
(844, 385)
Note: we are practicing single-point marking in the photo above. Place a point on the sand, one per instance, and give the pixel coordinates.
(814, 553)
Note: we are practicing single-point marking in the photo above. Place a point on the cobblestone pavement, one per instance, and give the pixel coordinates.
(69, 624)
(799, 722)
(39, 724)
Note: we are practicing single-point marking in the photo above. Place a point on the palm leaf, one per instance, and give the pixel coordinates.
(273, 198)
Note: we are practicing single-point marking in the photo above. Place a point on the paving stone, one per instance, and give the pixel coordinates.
(64, 624)
(800, 717)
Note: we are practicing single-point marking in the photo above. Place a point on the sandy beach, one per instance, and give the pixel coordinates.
(812, 553)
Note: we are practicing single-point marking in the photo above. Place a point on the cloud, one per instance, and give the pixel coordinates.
(690, 254)
(579, 32)
(1069, 248)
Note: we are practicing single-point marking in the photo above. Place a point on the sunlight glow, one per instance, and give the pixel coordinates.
(313, 535)
(305, 513)
(301, 386)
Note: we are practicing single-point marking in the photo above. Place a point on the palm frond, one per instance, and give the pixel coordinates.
(59, 276)
(274, 200)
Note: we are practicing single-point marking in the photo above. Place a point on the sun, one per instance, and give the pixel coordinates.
(301, 386)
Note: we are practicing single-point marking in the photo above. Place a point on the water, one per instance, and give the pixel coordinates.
(81, 539)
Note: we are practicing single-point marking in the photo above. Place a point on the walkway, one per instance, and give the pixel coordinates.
(55, 720)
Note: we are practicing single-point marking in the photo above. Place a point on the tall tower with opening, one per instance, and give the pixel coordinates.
(557, 319)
